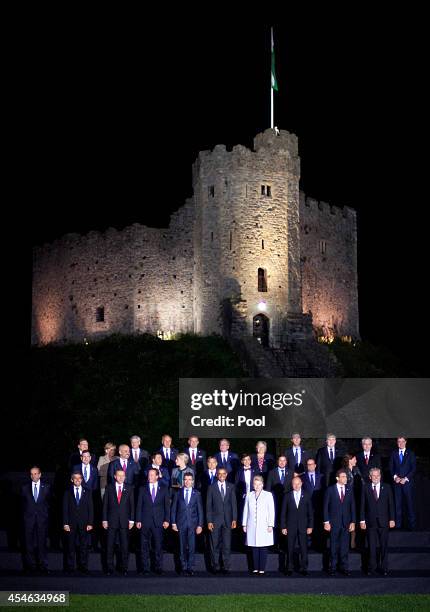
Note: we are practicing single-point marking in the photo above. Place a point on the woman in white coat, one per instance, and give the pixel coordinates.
(258, 522)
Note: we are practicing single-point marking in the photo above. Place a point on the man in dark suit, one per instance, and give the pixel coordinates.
(221, 516)
(297, 522)
(314, 484)
(296, 455)
(78, 521)
(227, 459)
(279, 483)
(377, 517)
(118, 518)
(244, 483)
(168, 453)
(402, 468)
(152, 516)
(139, 455)
(339, 521)
(187, 518)
(329, 459)
(156, 463)
(367, 458)
(35, 498)
(75, 457)
(206, 478)
(197, 455)
(89, 473)
(124, 463)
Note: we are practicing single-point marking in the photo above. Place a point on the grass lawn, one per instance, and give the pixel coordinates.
(250, 603)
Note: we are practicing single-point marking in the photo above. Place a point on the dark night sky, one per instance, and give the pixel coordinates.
(105, 109)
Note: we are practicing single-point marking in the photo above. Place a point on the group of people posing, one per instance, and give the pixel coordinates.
(297, 500)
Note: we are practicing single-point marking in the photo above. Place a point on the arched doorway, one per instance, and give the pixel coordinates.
(260, 329)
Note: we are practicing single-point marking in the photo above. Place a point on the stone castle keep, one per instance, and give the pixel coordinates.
(248, 254)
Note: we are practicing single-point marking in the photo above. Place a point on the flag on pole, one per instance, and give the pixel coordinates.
(274, 81)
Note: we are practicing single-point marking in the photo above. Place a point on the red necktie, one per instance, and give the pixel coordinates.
(342, 495)
(367, 460)
(119, 494)
(193, 458)
(375, 493)
(124, 466)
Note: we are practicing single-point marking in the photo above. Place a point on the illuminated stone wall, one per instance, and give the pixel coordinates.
(246, 213)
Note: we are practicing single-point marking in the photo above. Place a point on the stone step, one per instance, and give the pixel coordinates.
(399, 561)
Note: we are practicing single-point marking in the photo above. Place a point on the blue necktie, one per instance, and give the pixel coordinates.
(86, 473)
(77, 496)
(313, 480)
(401, 456)
(35, 493)
(331, 455)
(187, 496)
(282, 476)
(296, 454)
(212, 478)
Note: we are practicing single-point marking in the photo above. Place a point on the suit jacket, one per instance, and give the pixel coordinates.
(241, 484)
(143, 458)
(374, 461)
(377, 513)
(275, 485)
(297, 518)
(153, 513)
(316, 492)
(232, 464)
(405, 469)
(78, 516)
(93, 482)
(268, 464)
(169, 464)
(337, 513)
(36, 512)
(219, 511)
(190, 515)
(301, 467)
(325, 466)
(165, 476)
(131, 475)
(200, 459)
(118, 514)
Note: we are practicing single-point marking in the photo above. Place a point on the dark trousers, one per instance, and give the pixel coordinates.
(259, 557)
(151, 538)
(403, 493)
(77, 542)
(122, 534)
(302, 537)
(220, 543)
(339, 547)
(187, 547)
(378, 538)
(35, 542)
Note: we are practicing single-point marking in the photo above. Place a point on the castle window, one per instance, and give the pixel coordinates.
(262, 279)
(231, 240)
(266, 190)
(212, 236)
(322, 247)
(100, 314)
(262, 244)
(211, 191)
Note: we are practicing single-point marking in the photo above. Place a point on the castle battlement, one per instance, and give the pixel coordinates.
(327, 209)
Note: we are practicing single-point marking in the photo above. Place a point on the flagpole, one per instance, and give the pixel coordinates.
(272, 110)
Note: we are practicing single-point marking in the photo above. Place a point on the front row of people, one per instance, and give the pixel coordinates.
(154, 512)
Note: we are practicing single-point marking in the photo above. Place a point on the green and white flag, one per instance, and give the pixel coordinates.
(274, 81)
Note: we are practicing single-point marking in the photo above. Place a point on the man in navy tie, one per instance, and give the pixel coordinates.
(329, 458)
(187, 518)
(36, 498)
(152, 517)
(314, 484)
(296, 455)
(402, 467)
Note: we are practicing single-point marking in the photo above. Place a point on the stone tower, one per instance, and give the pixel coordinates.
(246, 238)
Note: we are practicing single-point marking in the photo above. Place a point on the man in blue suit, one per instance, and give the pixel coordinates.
(168, 453)
(89, 473)
(152, 516)
(187, 518)
(402, 468)
(227, 459)
(35, 498)
(339, 521)
(131, 470)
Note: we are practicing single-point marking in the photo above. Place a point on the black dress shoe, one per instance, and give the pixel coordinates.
(109, 572)
(226, 572)
(289, 572)
(385, 572)
(125, 573)
(158, 571)
(332, 573)
(190, 573)
(304, 573)
(345, 572)
(45, 571)
(370, 573)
